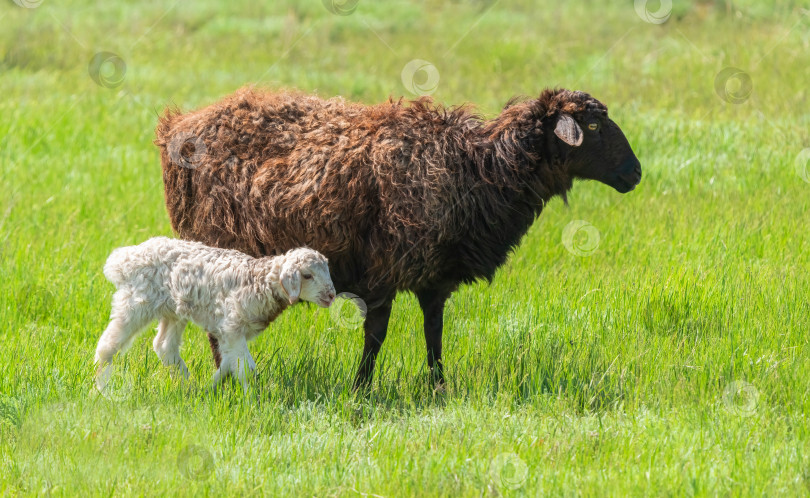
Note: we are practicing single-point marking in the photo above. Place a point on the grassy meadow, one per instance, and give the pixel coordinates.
(647, 344)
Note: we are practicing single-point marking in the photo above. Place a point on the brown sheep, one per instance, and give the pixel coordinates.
(399, 196)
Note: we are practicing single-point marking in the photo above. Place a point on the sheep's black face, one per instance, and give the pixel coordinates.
(598, 150)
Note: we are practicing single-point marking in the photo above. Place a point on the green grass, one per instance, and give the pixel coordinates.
(613, 373)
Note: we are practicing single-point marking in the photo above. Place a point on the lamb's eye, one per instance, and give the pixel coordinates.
(593, 126)
(306, 277)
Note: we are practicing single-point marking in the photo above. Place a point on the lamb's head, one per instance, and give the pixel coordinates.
(305, 275)
(591, 145)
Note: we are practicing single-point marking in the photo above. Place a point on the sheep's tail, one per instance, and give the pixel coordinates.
(116, 268)
(163, 130)
(177, 182)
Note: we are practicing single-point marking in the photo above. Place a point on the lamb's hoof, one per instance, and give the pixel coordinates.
(179, 374)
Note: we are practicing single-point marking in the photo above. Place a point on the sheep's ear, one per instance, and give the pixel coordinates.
(568, 130)
(291, 282)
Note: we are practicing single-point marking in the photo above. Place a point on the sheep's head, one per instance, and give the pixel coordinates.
(305, 275)
(591, 145)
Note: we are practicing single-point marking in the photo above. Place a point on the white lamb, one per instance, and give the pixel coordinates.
(228, 293)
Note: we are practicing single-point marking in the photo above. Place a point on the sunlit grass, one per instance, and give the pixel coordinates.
(670, 360)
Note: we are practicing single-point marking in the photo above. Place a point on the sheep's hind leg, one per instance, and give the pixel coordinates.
(167, 344)
(214, 343)
(432, 304)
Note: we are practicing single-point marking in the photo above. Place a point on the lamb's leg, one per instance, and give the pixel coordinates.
(376, 327)
(124, 325)
(167, 344)
(235, 360)
(432, 304)
(245, 367)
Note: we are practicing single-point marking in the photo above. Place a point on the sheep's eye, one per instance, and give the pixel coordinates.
(306, 277)
(593, 126)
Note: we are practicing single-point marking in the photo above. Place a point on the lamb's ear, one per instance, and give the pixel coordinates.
(568, 130)
(291, 281)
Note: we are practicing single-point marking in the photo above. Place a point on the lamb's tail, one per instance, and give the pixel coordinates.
(116, 268)
(125, 262)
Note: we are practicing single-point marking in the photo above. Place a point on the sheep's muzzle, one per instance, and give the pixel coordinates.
(627, 176)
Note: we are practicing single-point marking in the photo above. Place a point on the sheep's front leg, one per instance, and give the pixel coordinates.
(167, 344)
(214, 343)
(235, 360)
(376, 328)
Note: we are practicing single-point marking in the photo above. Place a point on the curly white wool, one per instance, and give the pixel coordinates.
(228, 293)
